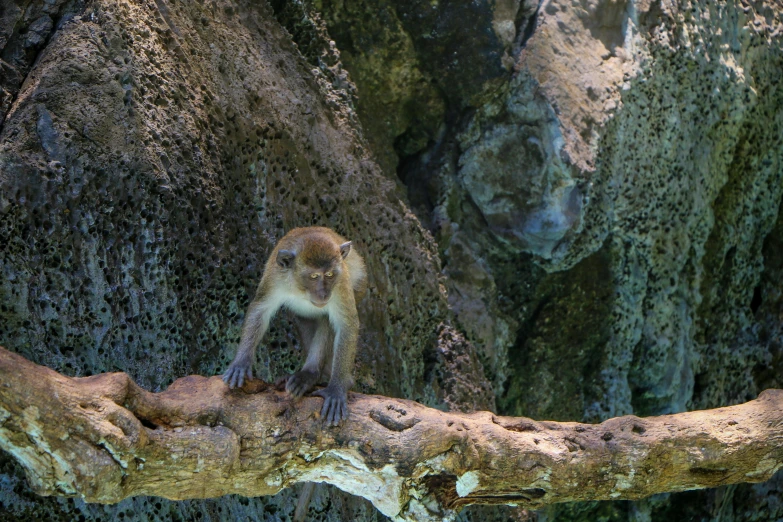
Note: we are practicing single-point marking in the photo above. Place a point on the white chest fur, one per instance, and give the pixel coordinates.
(302, 306)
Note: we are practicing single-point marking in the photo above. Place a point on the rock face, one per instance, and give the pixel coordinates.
(604, 191)
(599, 185)
(151, 155)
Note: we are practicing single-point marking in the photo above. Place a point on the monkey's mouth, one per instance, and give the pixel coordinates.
(319, 304)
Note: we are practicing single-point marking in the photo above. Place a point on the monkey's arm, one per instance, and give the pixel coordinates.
(259, 313)
(335, 395)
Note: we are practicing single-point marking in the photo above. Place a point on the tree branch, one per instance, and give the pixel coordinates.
(104, 439)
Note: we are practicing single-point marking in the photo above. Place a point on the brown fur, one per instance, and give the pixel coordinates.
(309, 274)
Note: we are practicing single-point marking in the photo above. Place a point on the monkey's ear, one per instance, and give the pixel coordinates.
(285, 258)
(345, 249)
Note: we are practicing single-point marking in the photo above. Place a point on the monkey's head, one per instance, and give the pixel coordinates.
(316, 268)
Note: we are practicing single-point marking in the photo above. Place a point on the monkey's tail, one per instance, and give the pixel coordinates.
(304, 501)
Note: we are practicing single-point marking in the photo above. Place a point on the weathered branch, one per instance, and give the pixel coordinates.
(103, 438)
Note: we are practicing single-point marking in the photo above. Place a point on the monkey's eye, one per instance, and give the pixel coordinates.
(329, 274)
(313, 276)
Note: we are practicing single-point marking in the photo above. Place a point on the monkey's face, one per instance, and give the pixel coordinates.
(319, 282)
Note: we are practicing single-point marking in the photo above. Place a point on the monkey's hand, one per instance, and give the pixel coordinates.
(335, 407)
(237, 372)
(300, 383)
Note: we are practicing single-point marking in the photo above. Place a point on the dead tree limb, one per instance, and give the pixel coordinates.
(104, 439)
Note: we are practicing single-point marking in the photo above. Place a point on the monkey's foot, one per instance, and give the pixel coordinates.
(335, 407)
(301, 382)
(237, 372)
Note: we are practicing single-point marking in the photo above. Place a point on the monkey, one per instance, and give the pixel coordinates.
(317, 275)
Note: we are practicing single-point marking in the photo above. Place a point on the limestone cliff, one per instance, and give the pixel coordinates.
(151, 154)
(592, 187)
(604, 181)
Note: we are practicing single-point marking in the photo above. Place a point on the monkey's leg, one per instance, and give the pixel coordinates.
(318, 332)
(256, 323)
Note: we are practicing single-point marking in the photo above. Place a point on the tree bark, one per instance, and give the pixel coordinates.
(104, 439)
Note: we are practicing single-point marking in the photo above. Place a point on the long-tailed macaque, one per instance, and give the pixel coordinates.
(315, 274)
